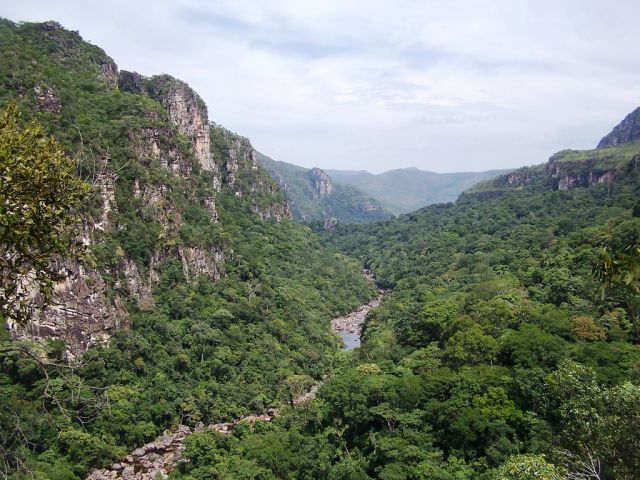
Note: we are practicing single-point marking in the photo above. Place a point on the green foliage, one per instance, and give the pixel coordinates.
(346, 204)
(39, 191)
(495, 355)
(206, 349)
(528, 467)
(495, 310)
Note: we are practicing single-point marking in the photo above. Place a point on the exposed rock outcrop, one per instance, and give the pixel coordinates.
(196, 261)
(130, 82)
(321, 183)
(82, 311)
(189, 113)
(106, 184)
(369, 207)
(578, 174)
(625, 132)
(109, 73)
(563, 171)
(46, 98)
(330, 223)
(132, 195)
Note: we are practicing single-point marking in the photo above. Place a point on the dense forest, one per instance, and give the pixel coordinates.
(499, 353)
(506, 346)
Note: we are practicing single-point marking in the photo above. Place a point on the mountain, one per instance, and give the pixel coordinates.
(197, 296)
(408, 189)
(626, 131)
(314, 197)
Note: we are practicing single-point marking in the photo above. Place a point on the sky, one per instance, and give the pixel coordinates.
(445, 86)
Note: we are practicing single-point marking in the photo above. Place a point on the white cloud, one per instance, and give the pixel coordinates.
(441, 85)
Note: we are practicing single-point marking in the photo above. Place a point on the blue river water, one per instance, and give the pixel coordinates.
(351, 340)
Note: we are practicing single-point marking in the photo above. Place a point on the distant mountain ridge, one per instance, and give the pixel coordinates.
(408, 189)
(314, 197)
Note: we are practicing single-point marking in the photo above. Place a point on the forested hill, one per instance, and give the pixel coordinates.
(498, 339)
(197, 300)
(498, 354)
(314, 197)
(408, 189)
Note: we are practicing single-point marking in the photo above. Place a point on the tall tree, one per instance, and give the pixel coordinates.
(39, 191)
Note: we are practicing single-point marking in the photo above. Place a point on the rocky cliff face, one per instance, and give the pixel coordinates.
(565, 170)
(315, 198)
(569, 175)
(83, 311)
(321, 183)
(242, 175)
(157, 177)
(625, 132)
(188, 112)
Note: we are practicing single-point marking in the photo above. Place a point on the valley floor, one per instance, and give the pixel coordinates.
(162, 455)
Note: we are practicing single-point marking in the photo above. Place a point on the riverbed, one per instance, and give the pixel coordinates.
(160, 457)
(349, 327)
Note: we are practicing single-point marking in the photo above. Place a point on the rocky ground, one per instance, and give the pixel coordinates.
(353, 322)
(161, 456)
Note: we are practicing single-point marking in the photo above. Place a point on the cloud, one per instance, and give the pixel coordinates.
(442, 85)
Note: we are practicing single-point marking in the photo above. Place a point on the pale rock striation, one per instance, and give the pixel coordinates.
(82, 313)
(88, 303)
(321, 183)
(189, 113)
(46, 98)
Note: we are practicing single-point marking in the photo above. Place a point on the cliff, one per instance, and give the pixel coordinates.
(159, 168)
(321, 183)
(566, 170)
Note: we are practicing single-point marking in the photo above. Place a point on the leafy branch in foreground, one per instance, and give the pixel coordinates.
(619, 274)
(39, 191)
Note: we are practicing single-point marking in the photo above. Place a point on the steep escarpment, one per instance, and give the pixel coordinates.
(321, 183)
(159, 169)
(566, 170)
(198, 300)
(314, 197)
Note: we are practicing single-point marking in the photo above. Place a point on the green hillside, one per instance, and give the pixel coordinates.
(198, 296)
(497, 354)
(345, 203)
(408, 189)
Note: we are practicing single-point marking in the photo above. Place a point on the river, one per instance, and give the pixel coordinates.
(349, 327)
(159, 458)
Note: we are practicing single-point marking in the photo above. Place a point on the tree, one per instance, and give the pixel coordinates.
(619, 273)
(39, 191)
(295, 386)
(528, 467)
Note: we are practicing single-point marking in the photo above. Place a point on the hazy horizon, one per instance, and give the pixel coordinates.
(441, 86)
